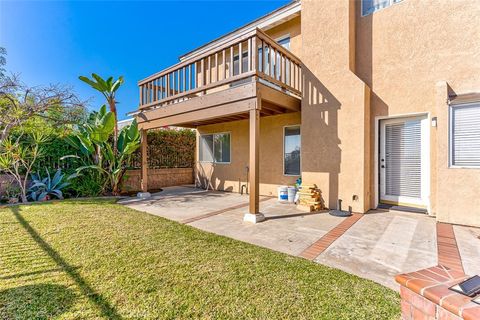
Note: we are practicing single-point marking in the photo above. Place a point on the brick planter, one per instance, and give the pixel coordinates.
(425, 295)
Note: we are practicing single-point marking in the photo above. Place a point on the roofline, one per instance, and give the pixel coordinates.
(125, 120)
(263, 23)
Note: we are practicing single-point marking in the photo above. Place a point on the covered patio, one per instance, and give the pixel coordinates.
(248, 77)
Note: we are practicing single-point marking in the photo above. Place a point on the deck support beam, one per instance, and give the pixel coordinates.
(144, 172)
(254, 214)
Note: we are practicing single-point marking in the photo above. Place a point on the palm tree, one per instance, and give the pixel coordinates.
(107, 88)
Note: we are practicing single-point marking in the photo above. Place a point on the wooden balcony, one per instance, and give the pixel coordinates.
(249, 72)
(246, 78)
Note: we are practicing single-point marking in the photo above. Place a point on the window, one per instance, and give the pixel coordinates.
(236, 68)
(215, 147)
(370, 6)
(291, 150)
(265, 67)
(284, 42)
(465, 135)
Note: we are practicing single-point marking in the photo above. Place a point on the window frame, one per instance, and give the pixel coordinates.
(451, 165)
(284, 37)
(391, 3)
(283, 152)
(213, 147)
(236, 58)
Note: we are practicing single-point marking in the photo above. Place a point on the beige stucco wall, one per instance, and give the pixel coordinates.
(335, 107)
(400, 60)
(293, 29)
(406, 53)
(230, 177)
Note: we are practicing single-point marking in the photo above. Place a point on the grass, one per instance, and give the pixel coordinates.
(95, 259)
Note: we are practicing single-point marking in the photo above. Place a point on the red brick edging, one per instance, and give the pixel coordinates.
(448, 253)
(324, 242)
(425, 295)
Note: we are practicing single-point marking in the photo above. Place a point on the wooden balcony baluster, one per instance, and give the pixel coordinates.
(265, 60)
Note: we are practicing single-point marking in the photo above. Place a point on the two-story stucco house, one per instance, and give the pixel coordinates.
(377, 102)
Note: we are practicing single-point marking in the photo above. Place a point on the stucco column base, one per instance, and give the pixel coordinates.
(253, 218)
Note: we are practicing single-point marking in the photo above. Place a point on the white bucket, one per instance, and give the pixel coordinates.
(291, 194)
(282, 193)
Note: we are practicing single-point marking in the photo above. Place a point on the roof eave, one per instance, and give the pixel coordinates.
(266, 22)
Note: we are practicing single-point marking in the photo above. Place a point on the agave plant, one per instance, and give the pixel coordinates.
(44, 189)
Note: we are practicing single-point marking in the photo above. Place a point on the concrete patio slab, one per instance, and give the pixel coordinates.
(384, 244)
(180, 203)
(286, 229)
(468, 242)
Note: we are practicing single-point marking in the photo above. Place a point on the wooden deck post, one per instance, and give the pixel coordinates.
(254, 214)
(144, 165)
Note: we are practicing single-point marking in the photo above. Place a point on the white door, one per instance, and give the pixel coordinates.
(404, 161)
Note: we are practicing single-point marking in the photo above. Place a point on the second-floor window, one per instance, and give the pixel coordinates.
(265, 60)
(370, 6)
(284, 42)
(236, 67)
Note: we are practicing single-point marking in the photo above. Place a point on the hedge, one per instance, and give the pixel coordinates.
(168, 148)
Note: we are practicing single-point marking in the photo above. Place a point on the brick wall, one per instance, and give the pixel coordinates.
(158, 178)
(425, 296)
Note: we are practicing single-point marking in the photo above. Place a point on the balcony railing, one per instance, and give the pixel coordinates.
(251, 55)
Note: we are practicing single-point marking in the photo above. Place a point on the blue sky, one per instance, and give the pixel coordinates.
(56, 41)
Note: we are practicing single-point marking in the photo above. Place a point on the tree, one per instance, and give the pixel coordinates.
(92, 140)
(18, 157)
(108, 88)
(20, 103)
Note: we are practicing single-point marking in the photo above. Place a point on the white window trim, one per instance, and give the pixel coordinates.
(392, 2)
(213, 145)
(450, 138)
(283, 37)
(283, 152)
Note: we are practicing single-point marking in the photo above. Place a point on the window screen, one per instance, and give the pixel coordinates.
(215, 147)
(370, 6)
(221, 147)
(291, 151)
(465, 135)
(206, 148)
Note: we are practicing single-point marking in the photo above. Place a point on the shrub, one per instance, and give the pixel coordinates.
(88, 185)
(168, 148)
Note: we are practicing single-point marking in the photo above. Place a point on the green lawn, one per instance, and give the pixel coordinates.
(95, 259)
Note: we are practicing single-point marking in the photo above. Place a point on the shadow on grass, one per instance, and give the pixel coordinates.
(103, 305)
(27, 274)
(40, 301)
